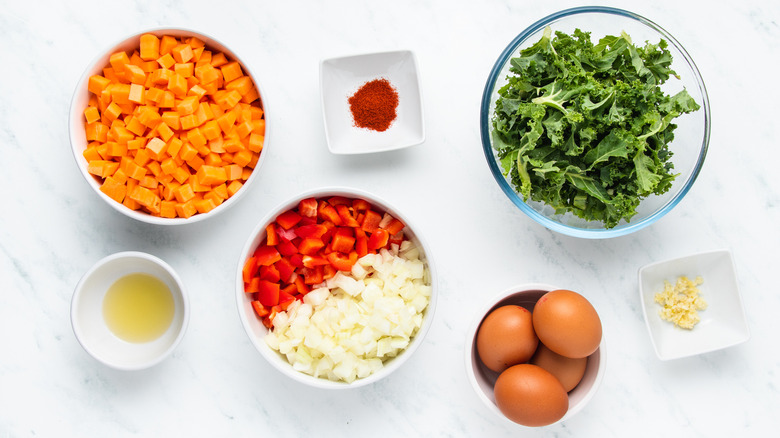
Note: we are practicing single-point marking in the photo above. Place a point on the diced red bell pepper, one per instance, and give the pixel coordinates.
(338, 200)
(328, 271)
(346, 215)
(397, 238)
(361, 242)
(291, 289)
(268, 293)
(269, 273)
(288, 219)
(343, 262)
(259, 309)
(300, 284)
(378, 239)
(285, 299)
(314, 230)
(313, 275)
(343, 244)
(371, 221)
(252, 286)
(328, 212)
(395, 226)
(285, 268)
(360, 205)
(308, 207)
(250, 269)
(267, 255)
(271, 238)
(297, 260)
(310, 246)
(311, 261)
(286, 248)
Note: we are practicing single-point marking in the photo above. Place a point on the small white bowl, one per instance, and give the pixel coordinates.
(483, 379)
(341, 77)
(257, 331)
(77, 129)
(91, 329)
(723, 323)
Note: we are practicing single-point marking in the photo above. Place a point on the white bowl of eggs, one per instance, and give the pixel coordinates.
(535, 354)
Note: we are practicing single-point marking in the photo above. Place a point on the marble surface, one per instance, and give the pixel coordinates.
(53, 228)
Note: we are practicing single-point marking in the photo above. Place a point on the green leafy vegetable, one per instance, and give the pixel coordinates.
(585, 128)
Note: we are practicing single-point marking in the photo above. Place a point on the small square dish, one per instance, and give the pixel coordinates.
(341, 78)
(722, 324)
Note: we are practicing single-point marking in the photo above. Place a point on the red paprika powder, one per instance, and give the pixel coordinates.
(374, 105)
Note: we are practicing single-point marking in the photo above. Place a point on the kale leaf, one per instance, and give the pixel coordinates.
(586, 128)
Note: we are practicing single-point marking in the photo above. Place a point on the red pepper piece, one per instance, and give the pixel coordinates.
(328, 213)
(285, 268)
(361, 242)
(360, 205)
(310, 261)
(338, 200)
(328, 271)
(271, 238)
(314, 230)
(395, 226)
(291, 289)
(346, 216)
(268, 293)
(259, 309)
(371, 221)
(301, 285)
(343, 262)
(250, 269)
(267, 255)
(397, 238)
(308, 207)
(313, 275)
(310, 246)
(269, 273)
(288, 219)
(378, 239)
(343, 244)
(286, 248)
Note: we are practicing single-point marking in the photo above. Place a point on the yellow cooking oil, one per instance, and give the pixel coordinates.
(138, 307)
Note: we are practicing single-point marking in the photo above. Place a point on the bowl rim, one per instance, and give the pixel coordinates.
(79, 291)
(75, 113)
(470, 346)
(516, 199)
(273, 357)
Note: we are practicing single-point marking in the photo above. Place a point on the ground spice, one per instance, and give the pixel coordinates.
(374, 105)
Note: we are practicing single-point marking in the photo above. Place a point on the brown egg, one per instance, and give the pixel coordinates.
(531, 396)
(506, 337)
(567, 323)
(568, 371)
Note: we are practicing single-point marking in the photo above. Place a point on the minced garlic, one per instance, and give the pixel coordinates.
(681, 303)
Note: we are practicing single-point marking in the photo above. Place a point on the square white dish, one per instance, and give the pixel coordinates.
(723, 323)
(341, 77)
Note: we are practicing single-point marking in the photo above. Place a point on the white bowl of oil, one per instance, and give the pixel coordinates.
(130, 310)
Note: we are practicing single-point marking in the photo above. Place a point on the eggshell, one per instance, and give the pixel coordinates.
(567, 323)
(531, 396)
(568, 371)
(506, 337)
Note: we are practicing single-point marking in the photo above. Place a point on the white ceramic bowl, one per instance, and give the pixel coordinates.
(341, 77)
(483, 379)
(723, 323)
(257, 331)
(91, 329)
(77, 130)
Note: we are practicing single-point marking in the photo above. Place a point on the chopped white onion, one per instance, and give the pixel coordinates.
(348, 326)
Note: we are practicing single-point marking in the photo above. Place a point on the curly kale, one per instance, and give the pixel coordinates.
(585, 128)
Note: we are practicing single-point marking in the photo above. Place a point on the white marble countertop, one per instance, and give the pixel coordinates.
(53, 228)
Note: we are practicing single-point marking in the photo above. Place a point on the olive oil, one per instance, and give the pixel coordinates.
(138, 308)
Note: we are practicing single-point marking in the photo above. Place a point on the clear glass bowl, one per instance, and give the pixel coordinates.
(691, 138)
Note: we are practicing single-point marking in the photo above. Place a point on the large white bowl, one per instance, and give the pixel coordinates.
(91, 329)
(77, 131)
(257, 331)
(483, 379)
